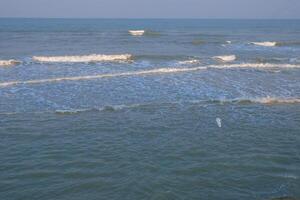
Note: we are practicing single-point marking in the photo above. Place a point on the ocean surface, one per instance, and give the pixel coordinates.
(149, 109)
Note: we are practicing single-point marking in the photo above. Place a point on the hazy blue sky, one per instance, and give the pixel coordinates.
(151, 8)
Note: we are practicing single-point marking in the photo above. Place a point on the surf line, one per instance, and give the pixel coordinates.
(99, 76)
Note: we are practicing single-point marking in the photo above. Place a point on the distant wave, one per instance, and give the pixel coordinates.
(265, 44)
(277, 60)
(225, 58)
(269, 101)
(9, 62)
(75, 111)
(198, 42)
(136, 32)
(95, 109)
(160, 57)
(189, 62)
(273, 44)
(288, 43)
(263, 100)
(143, 33)
(272, 60)
(152, 33)
(83, 58)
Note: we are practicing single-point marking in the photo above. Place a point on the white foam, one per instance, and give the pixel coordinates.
(265, 44)
(189, 62)
(137, 32)
(225, 58)
(9, 62)
(262, 100)
(83, 58)
(154, 71)
(71, 111)
(274, 100)
(266, 100)
(254, 65)
(99, 76)
(227, 43)
(104, 108)
(219, 122)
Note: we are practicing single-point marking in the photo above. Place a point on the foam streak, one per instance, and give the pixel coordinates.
(76, 78)
(152, 72)
(83, 59)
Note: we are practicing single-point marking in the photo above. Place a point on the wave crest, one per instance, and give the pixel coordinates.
(83, 58)
(254, 65)
(136, 32)
(264, 100)
(279, 44)
(268, 101)
(265, 44)
(9, 62)
(143, 33)
(189, 62)
(109, 108)
(225, 58)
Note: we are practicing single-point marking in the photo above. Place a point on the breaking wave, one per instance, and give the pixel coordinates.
(265, 44)
(225, 58)
(136, 32)
(254, 65)
(83, 58)
(9, 62)
(143, 33)
(279, 44)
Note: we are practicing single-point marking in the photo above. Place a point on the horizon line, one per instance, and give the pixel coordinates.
(151, 18)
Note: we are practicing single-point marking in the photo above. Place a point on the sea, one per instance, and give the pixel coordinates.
(149, 109)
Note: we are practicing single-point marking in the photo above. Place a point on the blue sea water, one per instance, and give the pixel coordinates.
(190, 109)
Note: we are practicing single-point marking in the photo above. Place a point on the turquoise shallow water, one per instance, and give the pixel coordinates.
(170, 122)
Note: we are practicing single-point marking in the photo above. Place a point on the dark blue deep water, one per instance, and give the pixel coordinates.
(186, 109)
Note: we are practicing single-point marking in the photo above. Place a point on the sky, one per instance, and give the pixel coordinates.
(270, 9)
